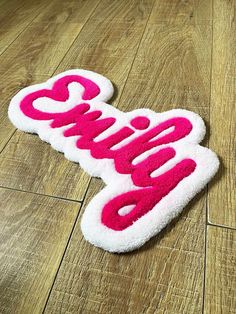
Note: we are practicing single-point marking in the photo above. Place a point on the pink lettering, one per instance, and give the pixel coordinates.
(88, 124)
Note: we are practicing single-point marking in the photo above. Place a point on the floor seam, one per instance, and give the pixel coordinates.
(41, 194)
(220, 226)
(66, 247)
(207, 194)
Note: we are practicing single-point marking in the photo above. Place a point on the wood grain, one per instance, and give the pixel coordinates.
(123, 11)
(146, 281)
(29, 164)
(15, 16)
(220, 292)
(41, 47)
(222, 194)
(171, 69)
(11, 83)
(108, 42)
(34, 231)
(181, 11)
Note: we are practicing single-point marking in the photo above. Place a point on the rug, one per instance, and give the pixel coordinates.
(152, 163)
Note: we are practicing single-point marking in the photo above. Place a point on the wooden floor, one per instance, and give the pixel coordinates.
(160, 54)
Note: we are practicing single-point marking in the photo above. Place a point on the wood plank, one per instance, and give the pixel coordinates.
(108, 42)
(181, 11)
(222, 194)
(7, 7)
(171, 70)
(41, 47)
(164, 276)
(29, 164)
(220, 292)
(11, 83)
(15, 16)
(123, 11)
(34, 231)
